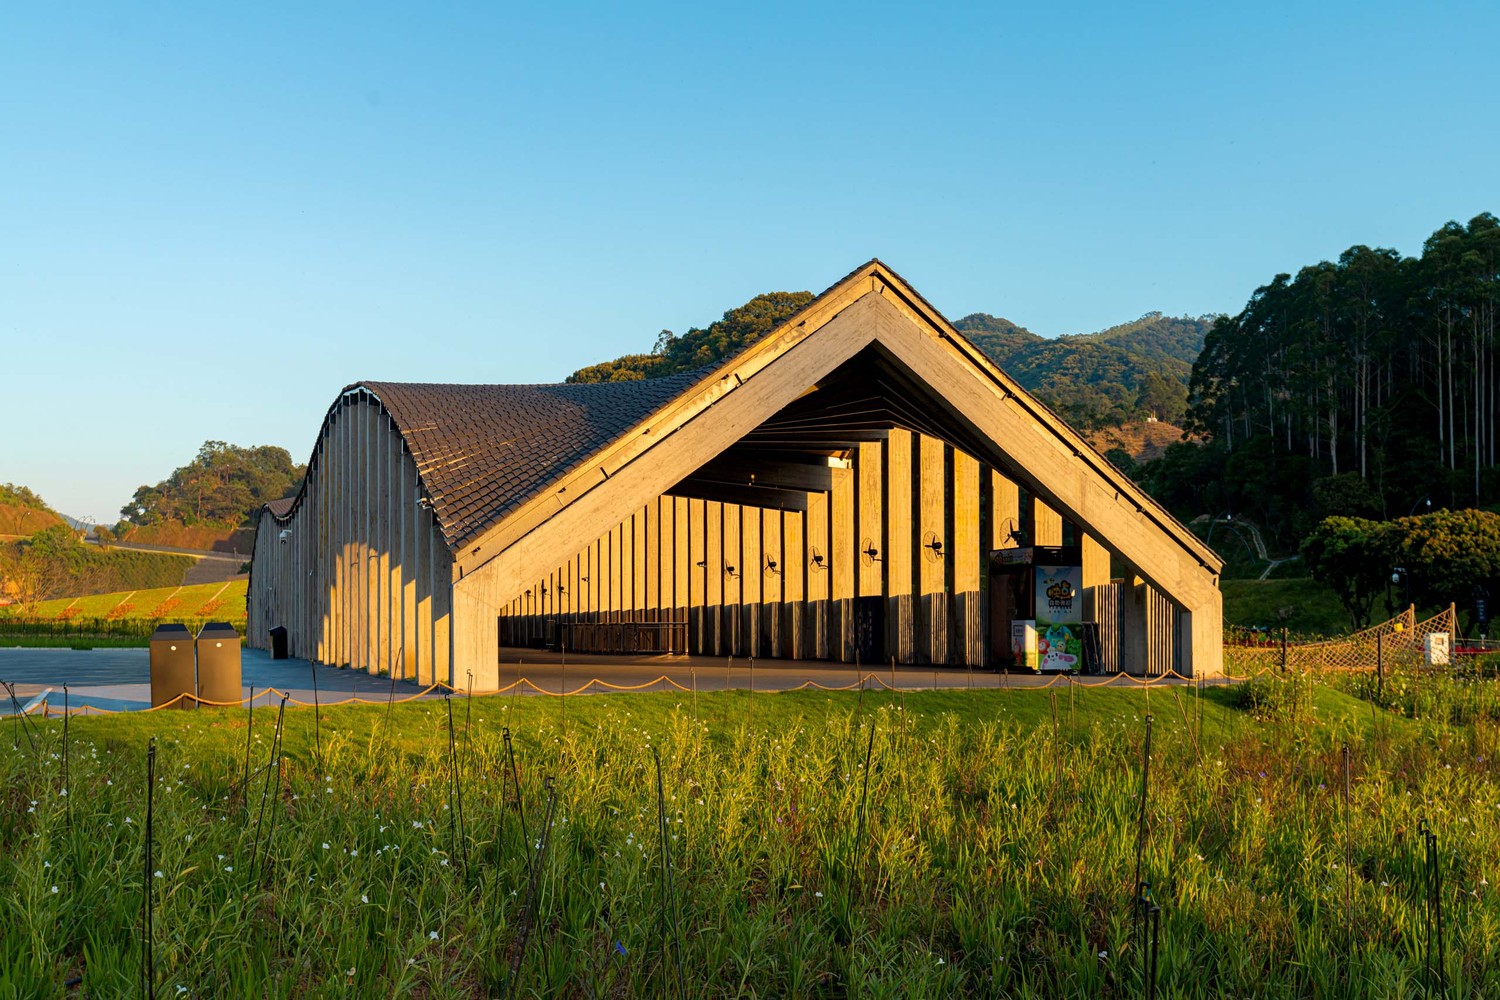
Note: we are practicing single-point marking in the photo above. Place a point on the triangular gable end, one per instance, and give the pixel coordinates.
(997, 420)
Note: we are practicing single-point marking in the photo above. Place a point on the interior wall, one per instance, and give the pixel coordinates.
(891, 563)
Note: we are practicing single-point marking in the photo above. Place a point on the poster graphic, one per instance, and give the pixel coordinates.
(1059, 610)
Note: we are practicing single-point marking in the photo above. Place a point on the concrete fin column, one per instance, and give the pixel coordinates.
(963, 550)
(932, 486)
(846, 558)
(900, 613)
(794, 566)
(819, 575)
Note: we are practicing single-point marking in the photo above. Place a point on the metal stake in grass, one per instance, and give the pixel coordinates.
(669, 909)
(1348, 871)
(1072, 713)
(273, 768)
(859, 842)
(390, 699)
(249, 728)
(469, 724)
(515, 776)
(23, 721)
(148, 954)
(458, 847)
(1153, 917)
(67, 799)
(1433, 878)
(1140, 835)
(533, 891)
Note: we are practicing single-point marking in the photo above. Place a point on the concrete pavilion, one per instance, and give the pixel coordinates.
(861, 484)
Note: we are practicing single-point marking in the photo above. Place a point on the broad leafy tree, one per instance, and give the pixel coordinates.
(1352, 556)
(223, 484)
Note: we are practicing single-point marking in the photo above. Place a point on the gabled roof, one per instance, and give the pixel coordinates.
(483, 450)
(496, 460)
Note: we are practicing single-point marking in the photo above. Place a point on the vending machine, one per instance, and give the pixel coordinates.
(1036, 608)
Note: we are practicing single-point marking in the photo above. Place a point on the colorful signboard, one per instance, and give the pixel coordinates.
(1059, 612)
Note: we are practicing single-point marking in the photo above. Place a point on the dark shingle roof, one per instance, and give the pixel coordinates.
(282, 507)
(483, 450)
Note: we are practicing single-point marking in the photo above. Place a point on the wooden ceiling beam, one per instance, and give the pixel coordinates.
(741, 470)
(748, 496)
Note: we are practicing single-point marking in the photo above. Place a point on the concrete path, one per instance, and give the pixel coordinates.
(555, 672)
(120, 679)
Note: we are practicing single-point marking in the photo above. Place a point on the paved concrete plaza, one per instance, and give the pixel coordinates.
(119, 679)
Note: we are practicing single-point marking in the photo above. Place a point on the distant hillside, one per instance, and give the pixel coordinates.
(23, 513)
(1140, 439)
(54, 562)
(208, 537)
(1103, 379)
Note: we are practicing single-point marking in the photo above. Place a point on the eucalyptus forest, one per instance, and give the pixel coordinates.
(1365, 386)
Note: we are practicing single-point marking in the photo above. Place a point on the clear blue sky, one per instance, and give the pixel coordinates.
(213, 217)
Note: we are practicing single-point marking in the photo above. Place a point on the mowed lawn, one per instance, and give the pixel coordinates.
(944, 843)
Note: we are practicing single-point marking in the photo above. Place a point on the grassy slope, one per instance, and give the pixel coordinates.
(1143, 441)
(1311, 607)
(189, 602)
(22, 521)
(209, 537)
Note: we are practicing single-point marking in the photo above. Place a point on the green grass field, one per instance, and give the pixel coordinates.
(988, 849)
(1302, 605)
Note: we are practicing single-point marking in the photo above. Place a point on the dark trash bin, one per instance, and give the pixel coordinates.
(172, 671)
(218, 647)
(278, 643)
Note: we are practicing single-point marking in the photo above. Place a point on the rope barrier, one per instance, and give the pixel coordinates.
(271, 694)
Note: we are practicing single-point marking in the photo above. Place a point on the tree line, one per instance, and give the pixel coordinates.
(1449, 556)
(1366, 386)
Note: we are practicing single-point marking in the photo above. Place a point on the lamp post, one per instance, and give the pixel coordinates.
(1422, 500)
(1399, 576)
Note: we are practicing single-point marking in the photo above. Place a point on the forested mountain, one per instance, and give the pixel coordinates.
(222, 485)
(1366, 387)
(1129, 371)
(1093, 380)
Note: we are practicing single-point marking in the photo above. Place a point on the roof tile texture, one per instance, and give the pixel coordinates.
(484, 450)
